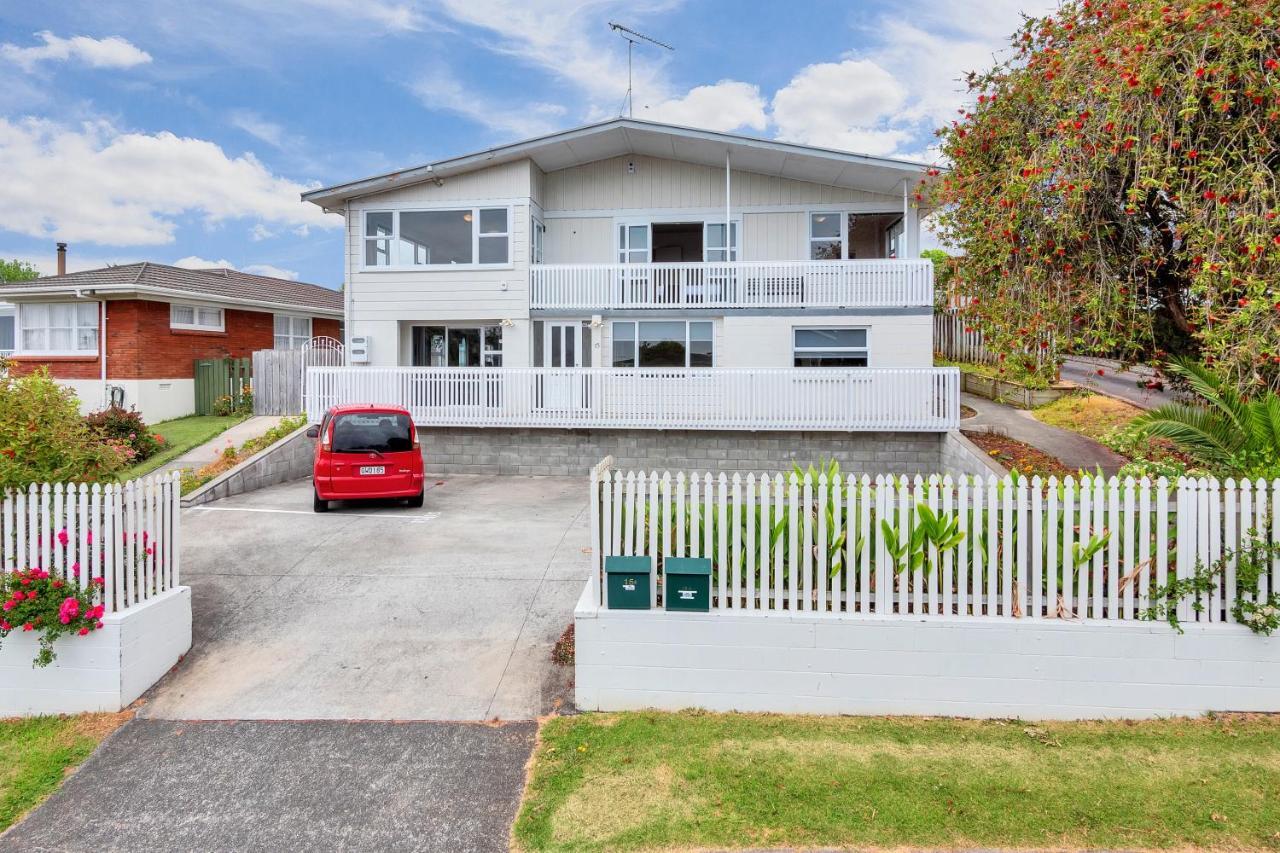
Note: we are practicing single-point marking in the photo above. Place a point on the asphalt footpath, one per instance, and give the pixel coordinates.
(164, 785)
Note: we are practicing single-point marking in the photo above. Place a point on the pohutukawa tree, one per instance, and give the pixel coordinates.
(1114, 186)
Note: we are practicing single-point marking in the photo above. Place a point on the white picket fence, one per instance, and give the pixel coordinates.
(127, 534)
(800, 543)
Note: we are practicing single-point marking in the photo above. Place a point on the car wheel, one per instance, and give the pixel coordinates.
(317, 504)
(416, 500)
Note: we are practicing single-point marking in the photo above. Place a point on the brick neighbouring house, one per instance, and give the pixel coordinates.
(159, 320)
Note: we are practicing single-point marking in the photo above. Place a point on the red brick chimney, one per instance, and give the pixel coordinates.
(62, 259)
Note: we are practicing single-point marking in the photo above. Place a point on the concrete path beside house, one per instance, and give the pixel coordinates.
(1070, 448)
(198, 457)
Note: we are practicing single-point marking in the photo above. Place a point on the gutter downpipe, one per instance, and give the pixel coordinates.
(728, 223)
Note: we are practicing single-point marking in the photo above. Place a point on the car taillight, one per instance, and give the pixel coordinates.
(417, 445)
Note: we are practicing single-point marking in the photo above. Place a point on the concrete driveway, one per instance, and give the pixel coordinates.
(448, 612)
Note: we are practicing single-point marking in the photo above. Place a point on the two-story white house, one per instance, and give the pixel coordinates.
(636, 276)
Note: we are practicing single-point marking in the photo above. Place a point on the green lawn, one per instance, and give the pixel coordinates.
(180, 435)
(676, 781)
(39, 751)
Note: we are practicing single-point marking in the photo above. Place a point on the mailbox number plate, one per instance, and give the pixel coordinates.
(373, 469)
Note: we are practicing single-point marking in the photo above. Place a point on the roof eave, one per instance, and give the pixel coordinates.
(10, 294)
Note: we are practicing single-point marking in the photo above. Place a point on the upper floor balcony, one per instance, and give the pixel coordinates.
(732, 285)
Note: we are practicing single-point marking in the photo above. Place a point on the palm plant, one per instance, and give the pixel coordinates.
(1226, 432)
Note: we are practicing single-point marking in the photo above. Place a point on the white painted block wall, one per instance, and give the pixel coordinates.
(1046, 669)
(104, 671)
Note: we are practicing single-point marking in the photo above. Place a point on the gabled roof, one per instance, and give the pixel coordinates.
(220, 285)
(620, 136)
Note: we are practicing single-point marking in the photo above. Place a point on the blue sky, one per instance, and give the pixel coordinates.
(184, 131)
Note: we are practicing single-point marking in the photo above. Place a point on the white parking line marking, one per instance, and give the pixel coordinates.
(412, 519)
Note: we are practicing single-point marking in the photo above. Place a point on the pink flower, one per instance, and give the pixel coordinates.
(8, 605)
(5, 626)
(62, 537)
(89, 537)
(31, 595)
(98, 626)
(84, 631)
(69, 610)
(28, 627)
(98, 581)
(75, 568)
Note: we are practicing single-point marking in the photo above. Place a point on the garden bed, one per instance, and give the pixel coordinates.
(1017, 455)
(1012, 392)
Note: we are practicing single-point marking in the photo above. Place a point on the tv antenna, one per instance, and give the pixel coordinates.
(632, 36)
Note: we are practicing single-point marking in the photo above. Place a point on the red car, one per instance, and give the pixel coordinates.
(366, 451)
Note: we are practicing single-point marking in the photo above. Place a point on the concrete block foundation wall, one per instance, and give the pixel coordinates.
(458, 450)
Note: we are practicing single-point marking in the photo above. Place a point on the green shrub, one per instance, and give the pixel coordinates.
(126, 427)
(43, 439)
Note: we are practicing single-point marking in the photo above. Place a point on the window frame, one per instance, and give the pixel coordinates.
(842, 238)
(864, 350)
(295, 342)
(395, 264)
(735, 241)
(635, 342)
(20, 328)
(196, 325)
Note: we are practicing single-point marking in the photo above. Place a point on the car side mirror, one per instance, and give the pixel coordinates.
(313, 432)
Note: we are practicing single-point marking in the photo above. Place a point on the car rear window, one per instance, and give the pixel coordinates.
(372, 431)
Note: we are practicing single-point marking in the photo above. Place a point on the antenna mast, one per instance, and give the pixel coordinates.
(631, 36)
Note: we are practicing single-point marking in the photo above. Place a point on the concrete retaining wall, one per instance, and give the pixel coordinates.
(288, 459)
(104, 671)
(572, 452)
(962, 456)
(971, 667)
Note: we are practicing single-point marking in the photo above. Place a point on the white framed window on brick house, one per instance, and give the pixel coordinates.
(838, 347)
(464, 237)
(291, 332)
(196, 318)
(58, 328)
(663, 343)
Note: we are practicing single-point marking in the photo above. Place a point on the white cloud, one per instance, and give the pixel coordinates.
(302, 231)
(273, 271)
(727, 105)
(110, 52)
(195, 262)
(260, 232)
(98, 184)
(261, 129)
(848, 104)
(439, 90)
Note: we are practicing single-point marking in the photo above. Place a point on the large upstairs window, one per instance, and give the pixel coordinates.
(472, 236)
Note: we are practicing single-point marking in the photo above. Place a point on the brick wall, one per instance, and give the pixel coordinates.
(140, 344)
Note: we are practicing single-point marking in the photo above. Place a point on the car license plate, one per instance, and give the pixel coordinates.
(372, 469)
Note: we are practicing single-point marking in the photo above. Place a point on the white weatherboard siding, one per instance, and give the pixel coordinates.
(894, 340)
(381, 298)
(104, 671)
(966, 667)
(657, 184)
(775, 236)
(580, 240)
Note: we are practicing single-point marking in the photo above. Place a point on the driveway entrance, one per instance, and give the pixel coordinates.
(448, 612)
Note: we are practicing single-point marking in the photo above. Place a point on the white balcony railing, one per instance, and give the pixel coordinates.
(923, 399)
(738, 284)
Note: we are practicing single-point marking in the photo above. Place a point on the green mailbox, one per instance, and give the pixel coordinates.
(628, 580)
(687, 583)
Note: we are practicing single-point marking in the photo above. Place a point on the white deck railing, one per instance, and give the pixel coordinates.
(861, 399)
(738, 284)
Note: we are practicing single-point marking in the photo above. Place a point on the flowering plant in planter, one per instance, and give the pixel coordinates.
(34, 600)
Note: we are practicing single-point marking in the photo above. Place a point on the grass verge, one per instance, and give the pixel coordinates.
(1091, 415)
(181, 435)
(40, 751)
(690, 780)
